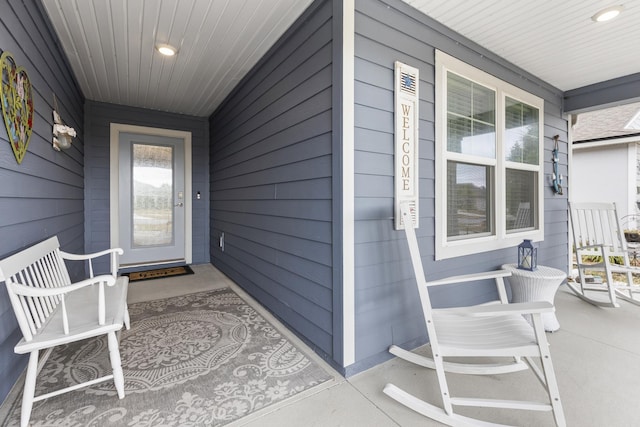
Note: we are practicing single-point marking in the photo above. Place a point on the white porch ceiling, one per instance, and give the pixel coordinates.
(111, 43)
(557, 41)
(111, 47)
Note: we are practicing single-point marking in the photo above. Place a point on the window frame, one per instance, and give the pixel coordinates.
(499, 239)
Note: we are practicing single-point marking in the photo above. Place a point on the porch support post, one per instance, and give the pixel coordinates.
(343, 178)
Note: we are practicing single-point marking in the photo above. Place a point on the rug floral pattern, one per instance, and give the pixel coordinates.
(202, 359)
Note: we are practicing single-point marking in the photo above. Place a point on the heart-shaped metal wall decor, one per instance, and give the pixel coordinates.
(17, 105)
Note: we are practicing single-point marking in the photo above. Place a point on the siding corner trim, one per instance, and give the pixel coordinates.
(348, 180)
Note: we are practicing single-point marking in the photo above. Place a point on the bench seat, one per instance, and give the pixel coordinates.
(83, 317)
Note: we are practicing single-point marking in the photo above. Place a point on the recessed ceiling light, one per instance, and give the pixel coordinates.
(166, 50)
(607, 14)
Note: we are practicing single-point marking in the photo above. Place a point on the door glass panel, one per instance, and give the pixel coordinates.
(152, 195)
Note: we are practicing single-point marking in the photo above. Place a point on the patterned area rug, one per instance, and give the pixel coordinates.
(203, 359)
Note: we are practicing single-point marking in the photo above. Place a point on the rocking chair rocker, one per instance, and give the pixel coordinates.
(483, 331)
(598, 239)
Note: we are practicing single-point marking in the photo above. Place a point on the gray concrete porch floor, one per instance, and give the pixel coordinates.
(596, 355)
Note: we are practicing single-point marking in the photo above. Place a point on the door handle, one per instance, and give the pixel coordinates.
(179, 204)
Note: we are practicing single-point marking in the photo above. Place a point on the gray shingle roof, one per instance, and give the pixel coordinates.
(606, 123)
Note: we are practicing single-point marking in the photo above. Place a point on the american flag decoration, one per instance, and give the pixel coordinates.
(408, 83)
(406, 142)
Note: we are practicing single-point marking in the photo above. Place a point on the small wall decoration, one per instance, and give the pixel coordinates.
(556, 179)
(406, 141)
(62, 134)
(17, 104)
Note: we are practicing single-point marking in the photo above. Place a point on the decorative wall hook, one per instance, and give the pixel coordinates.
(62, 134)
(556, 179)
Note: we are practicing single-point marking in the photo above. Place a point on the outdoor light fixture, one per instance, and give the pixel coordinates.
(166, 49)
(527, 256)
(607, 14)
(62, 134)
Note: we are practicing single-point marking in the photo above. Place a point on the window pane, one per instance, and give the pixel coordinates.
(459, 92)
(484, 104)
(470, 117)
(458, 130)
(469, 199)
(522, 136)
(521, 199)
(152, 192)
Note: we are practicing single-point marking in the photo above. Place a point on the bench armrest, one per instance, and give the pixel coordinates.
(32, 294)
(32, 291)
(114, 252)
(501, 309)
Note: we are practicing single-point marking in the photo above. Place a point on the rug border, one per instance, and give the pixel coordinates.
(226, 288)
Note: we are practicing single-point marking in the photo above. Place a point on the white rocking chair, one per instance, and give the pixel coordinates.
(483, 331)
(598, 239)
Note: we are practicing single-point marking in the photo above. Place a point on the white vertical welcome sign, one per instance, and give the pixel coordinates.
(406, 141)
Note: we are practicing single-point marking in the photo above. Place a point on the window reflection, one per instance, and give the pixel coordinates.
(469, 189)
(152, 192)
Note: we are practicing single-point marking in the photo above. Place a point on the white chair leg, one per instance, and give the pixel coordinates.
(442, 380)
(127, 321)
(611, 288)
(29, 388)
(552, 388)
(116, 365)
(551, 383)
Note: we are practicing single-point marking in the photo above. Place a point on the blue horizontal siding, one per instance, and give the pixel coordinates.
(42, 196)
(387, 308)
(272, 181)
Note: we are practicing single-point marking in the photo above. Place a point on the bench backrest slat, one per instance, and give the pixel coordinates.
(48, 303)
(35, 314)
(44, 276)
(42, 311)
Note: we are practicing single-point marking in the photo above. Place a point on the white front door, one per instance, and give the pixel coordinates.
(150, 216)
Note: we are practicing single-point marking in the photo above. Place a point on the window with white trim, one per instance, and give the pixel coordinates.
(489, 164)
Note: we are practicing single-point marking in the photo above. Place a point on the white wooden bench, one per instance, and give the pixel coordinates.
(51, 310)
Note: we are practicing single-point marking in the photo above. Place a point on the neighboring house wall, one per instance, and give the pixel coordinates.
(387, 303)
(606, 174)
(42, 196)
(271, 180)
(99, 117)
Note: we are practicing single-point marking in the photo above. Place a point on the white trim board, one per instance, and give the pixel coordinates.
(348, 182)
(605, 142)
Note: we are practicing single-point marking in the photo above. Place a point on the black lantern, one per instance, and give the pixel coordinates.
(527, 256)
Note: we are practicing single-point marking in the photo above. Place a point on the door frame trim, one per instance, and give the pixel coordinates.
(114, 222)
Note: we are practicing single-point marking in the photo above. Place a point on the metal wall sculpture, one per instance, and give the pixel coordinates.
(17, 104)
